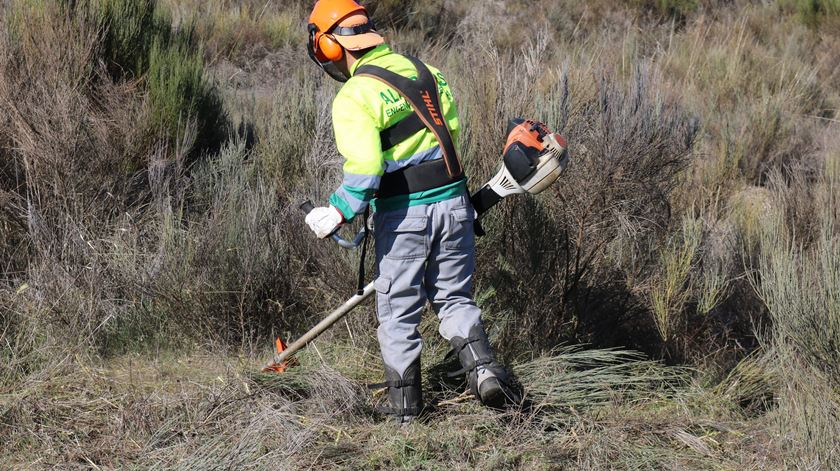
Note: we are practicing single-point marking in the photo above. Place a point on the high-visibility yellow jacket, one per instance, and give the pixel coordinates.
(365, 106)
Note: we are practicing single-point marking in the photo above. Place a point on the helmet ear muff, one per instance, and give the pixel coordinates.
(329, 47)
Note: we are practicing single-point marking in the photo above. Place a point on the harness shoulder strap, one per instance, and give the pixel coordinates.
(422, 95)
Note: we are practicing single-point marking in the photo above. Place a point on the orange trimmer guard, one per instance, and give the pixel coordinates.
(280, 367)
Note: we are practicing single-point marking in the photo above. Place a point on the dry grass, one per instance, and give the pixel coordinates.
(142, 278)
(242, 31)
(208, 412)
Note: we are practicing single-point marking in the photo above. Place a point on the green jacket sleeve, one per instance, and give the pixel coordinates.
(357, 138)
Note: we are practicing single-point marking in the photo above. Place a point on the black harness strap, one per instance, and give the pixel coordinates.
(360, 289)
(407, 127)
(422, 95)
(420, 177)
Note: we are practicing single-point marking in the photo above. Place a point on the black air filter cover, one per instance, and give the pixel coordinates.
(521, 161)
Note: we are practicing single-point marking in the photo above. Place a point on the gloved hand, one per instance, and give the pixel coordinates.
(324, 221)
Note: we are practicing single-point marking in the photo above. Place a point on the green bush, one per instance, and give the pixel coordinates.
(139, 42)
(130, 29)
(802, 290)
(180, 95)
(800, 283)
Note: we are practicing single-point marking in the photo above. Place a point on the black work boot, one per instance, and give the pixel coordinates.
(488, 380)
(405, 394)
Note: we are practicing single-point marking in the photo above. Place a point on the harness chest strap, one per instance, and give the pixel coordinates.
(422, 94)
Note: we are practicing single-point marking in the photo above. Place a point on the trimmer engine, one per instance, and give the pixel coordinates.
(533, 159)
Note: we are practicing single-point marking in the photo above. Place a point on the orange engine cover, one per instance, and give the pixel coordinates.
(527, 132)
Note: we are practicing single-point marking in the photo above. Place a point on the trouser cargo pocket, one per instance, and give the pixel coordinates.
(404, 238)
(383, 302)
(460, 234)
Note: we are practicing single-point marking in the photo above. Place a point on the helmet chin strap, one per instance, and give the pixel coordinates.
(333, 71)
(328, 67)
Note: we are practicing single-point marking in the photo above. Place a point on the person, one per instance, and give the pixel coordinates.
(396, 125)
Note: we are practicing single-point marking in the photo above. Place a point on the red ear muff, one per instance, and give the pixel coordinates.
(329, 47)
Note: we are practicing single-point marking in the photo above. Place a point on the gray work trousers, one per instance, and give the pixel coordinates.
(424, 252)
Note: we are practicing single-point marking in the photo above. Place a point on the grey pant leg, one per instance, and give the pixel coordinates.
(451, 266)
(402, 247)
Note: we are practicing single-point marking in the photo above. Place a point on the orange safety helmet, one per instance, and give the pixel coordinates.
(336, 25)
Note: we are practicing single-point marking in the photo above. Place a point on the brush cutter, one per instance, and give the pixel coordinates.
(532, 160)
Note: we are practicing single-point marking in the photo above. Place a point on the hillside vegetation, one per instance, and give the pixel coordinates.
(673, 302)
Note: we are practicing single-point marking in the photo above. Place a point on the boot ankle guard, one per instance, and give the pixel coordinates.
(405, 393)
(474, 352)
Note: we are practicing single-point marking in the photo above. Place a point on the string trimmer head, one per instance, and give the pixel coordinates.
(281, 366)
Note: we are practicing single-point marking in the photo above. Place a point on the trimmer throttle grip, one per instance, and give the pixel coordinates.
(307, 206)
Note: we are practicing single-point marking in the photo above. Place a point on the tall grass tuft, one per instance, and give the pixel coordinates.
(672, 290)
(799, 280)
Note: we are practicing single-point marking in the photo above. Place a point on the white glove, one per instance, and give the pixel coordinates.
(324, 221)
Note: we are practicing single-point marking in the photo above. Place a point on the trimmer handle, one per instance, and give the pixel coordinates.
(307, 206)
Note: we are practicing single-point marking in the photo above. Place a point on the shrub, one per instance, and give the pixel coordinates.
(139, 43)
(131, 29)
(204, 261)
(569, 260)
(180, 95)
(800, 287)
(75, 159)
